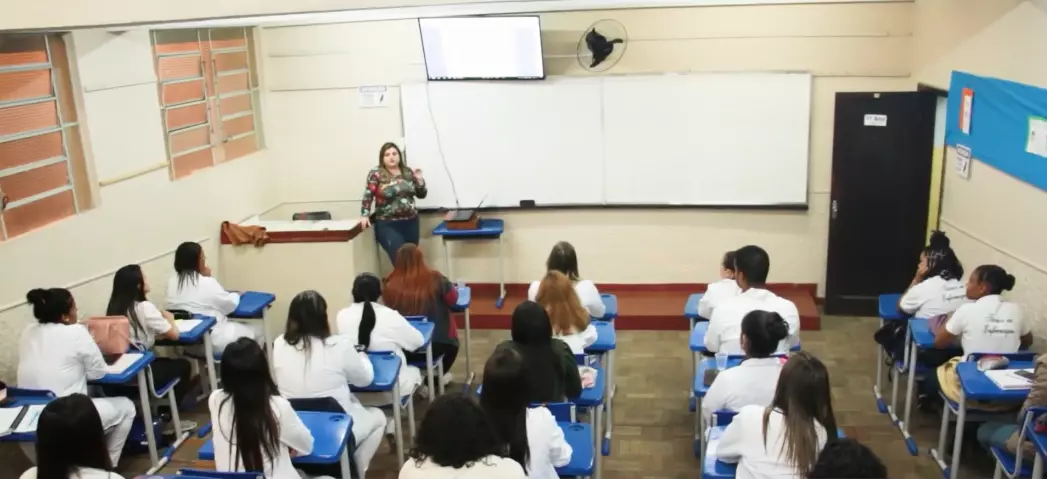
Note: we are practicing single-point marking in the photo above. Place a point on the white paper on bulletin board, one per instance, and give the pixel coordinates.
(1037, 143)
(374, 97)
(963, 161)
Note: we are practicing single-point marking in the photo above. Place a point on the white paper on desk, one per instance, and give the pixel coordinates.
(186, 325)
(1006, 379)
(8, 416)
(32, 416)
(123, 363)
(588, 376)
(1037, 143)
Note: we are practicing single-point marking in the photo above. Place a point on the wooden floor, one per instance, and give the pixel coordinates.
(652, 427)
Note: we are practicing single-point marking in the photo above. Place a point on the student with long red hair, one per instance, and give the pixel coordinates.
(414, 289)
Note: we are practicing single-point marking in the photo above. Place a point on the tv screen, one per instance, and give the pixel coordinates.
(482, 48)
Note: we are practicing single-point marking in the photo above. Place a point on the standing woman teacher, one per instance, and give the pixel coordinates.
(393, 188)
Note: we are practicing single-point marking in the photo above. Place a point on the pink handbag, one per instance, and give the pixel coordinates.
(111, 333)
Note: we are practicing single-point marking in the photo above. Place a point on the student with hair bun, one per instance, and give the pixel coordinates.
(937, 288)
(754, 381)
(60, 356)
(988, 324)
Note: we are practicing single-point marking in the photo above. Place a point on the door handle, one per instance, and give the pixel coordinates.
(832, 210)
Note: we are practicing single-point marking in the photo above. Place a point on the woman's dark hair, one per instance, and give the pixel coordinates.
(995, 277)
(128, 291)
(306, 319)
(848, 458)
(727, 262)
(367, 288)
(455, 433)
(504, 399)
(763, 331)
(803, 396)
(563, 259)
(941, 259)
(532, 335)
(49, 305)
(69, 436)
(249, 387)
(187, 263)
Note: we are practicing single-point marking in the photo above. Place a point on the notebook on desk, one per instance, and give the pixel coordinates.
(120, 365)
(186, 325)
(19, 420)
(1008, 380)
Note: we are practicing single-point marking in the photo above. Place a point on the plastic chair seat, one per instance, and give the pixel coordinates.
(162, 390)
(1006, 460)
(423, 365)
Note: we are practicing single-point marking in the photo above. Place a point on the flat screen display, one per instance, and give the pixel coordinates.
(482, 48)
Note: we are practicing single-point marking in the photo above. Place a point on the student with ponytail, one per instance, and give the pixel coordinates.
(754, 381)
(308, 362)
(255, 430)
(937, 288)
(60, 356)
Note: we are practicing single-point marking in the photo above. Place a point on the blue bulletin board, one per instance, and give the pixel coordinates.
(1003, 123)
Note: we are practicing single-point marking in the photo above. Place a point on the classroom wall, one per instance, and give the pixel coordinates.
(325, 142)
(138, 220)
(992, 217)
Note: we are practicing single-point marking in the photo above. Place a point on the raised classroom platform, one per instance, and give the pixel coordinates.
(640, 306)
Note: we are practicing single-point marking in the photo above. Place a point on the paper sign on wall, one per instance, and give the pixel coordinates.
(875, 120)
(963, 161)
(374, 97)
(1037, 143)
(966, 105)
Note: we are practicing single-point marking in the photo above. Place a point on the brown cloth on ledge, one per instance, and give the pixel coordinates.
(240, 235)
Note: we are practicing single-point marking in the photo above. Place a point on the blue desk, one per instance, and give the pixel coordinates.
(888, 311)
(606, 342)
(610, 304)
(138, 369)
(200, 334)
(690, 308)
(488, 229)
(698, 392)
(606, 338)
(1039, 441)
(593, 398)
(920, 338)
(465, 299)
(887, 304)
(713, 468)
(426, 328)
(253, 305)
(386, 367)
(579, 436)
(331, 433)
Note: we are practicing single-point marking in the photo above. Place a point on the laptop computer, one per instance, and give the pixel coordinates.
(463, 215)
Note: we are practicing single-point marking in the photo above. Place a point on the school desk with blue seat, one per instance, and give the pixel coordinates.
(887, 305)
(253, 305)
(976, 386)
(698, 391)
(606, 342)
(433, 366)
(919, 337)
(487, 229)
(1017, 465)
(194, 331)
(386, 367)
(465, 299)
(690, 311)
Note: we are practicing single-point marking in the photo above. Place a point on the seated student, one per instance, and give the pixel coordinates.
(783, 439)
(754, 381)
(1005, 434)
(70, 442)
(456, 441)
(552, 372)
(531, 433)
(60, 356)
(937, 288)
(147, 324)
(193, 289)
(716, 293)
(564, 260)
(308, 362)
(255, 430)
(725, 326)
(570, 320)
(849, 459)
(415, 290)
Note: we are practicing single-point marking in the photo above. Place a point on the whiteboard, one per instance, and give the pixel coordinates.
(508, 142)
(698, 139)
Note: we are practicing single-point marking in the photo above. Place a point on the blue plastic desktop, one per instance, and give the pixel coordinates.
(580, 437)
(610, 303)
(606, 338)
(920, 332)
(888, 307)
(690, 309)
(978, 387)
(489, 228)
(712, 468)
(424, 327)
(465, 296)
(128, 374)
(252, 304)
(706, 364)
(386, 367)
(330, 431)
(197, 333)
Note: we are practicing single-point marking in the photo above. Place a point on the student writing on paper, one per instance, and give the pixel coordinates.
(456, 441)
(309, 362)
(392, 188)
(754, 381)
(552, 372)
(564, 259)
(59, 355)
(531, 434)
(752, 264)
(937, 288)
(716, 293)
(147, 324)
(379, 328)
(1004, 434)
(570, 320)
(784, 439)
(193, 289)
(255, 429)
(414, 289)
(70, 442)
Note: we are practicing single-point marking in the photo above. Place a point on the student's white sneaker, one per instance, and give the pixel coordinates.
(186, 426)
(448, 377)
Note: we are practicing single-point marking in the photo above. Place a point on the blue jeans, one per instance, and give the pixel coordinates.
(392, 234)
(995, 434)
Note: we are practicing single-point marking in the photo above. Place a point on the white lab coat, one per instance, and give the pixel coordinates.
(153, 323)
(206, 297)
(391, 332)
(484, 468)
(725, 326)
(715, 294)
(743, 443)
(80, 473)
(547, 444)
(989, 325)
(751, 383)
(933, 297)
(580, 340)
(293, 435)
(61, 358)
(587, 294)
(331, 366)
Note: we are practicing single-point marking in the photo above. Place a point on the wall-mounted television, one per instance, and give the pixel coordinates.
(482, 48)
